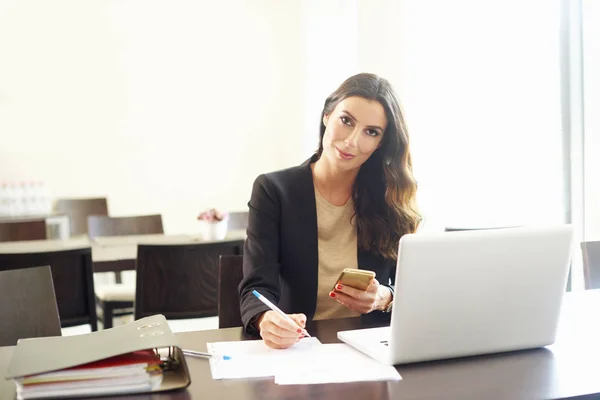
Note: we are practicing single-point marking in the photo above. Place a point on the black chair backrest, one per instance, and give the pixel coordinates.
(78, 211)
(591, 264)
(230, 276)
(28, 308)
(26, 229)
(180, 281)
(118, 226)
(72, 275)
(238, 220)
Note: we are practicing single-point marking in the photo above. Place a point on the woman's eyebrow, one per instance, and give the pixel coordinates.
(369, 126)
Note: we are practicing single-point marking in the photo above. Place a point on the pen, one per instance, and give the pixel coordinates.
(194, 353)
(277, 310)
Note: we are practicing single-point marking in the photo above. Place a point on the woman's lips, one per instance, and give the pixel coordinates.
(344, 155)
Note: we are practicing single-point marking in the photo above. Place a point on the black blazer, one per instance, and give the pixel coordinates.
(281, 248)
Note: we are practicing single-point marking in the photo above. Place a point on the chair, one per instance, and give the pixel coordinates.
(117, 299)
(99, 225)
(72, 275)
(238, 221)
(28, 313)
(26, 229)
(180, 281)
(230, 276)
(591, 264)
(78, 211)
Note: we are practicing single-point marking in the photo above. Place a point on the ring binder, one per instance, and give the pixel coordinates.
(44, 355)
(152, 334)
(149, 325)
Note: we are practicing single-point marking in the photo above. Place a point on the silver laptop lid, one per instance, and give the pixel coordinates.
(477, 292)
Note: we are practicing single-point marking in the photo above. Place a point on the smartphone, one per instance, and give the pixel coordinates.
(356, 278)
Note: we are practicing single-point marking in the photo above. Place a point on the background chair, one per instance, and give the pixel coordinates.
(29, 307)
(591, 264)
(238, 221)
(180, 281)
(121, 226)
(26, 229)
(78, 211)
(118, 226)
(72, 278)
(116, 299)
(230, 276)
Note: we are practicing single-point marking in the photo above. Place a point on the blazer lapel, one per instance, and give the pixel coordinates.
(309, 240)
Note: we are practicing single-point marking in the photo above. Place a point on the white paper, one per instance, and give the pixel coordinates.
(307, 362)
(334, 363)
(254, 359)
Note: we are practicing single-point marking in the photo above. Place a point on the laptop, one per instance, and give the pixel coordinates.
(472, 292)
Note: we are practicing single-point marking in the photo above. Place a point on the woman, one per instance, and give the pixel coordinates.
(346, 207)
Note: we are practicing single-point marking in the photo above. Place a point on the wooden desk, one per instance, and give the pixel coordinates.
(567, 369)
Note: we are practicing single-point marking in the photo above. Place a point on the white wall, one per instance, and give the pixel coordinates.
(163, 106)
(380, 40)
(331, 55)
(175, 106)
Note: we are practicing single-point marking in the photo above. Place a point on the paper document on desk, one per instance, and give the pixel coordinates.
(254, 359)
(335, 363)
(307, 362)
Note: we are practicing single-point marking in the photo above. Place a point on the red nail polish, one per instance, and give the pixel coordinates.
(331, 294)
(299, 330)
(339, 287)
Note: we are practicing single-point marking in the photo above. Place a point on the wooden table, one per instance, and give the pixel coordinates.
(109, 254)
(567, 369)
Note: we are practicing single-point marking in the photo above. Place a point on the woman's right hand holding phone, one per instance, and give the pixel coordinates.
(279, 333)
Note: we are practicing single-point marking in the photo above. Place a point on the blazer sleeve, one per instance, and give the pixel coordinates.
(261, 263)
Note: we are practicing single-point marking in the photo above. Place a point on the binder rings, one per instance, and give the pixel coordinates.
(41, 355)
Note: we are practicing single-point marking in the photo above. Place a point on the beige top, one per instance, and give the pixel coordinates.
(337, 250)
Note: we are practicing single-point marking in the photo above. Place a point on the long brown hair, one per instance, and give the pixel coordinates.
(385, 188)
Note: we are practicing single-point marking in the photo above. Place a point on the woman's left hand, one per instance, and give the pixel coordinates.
(375, 297)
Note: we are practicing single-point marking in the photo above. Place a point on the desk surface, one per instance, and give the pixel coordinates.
(567, 369)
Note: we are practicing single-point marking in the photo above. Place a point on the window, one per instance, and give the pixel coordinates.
(483, 101)
(591, 105)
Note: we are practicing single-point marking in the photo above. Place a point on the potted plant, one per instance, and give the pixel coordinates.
(213, 224)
